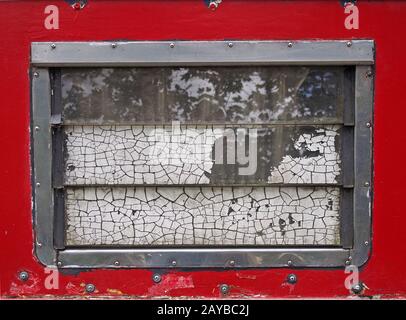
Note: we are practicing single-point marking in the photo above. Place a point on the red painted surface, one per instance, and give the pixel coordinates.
(22, 22)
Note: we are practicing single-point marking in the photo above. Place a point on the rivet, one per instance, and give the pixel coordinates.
(369, 73)
(90, 288)
(53, 46)
(349, 43)
(172, 45)
(38, 184)
(36, 74)
(39, 244)
(232, 263)
(366, 184)
(292, 279)
(114, 45)
(174, 263)
(366, 243)
(156, 278)
(59, 264)
(290, 263)
(368, 124)
(357, 288)
(230, 44)
(23, 276)
(116, 263)
(290, 45)
(224, 289)
(37, 128)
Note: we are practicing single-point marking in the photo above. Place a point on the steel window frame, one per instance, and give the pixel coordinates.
(46, 55)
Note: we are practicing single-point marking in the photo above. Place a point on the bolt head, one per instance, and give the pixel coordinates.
(290, 263)
(357, 288)
(37, 128)
(369, 73)
(366, 184)
(38, 184)
(232, 263)
(349, 43)
(224, 289)
(53, 46)
(23, 276)
(116, 263)
(366, 243)
(90, 288)
(156, 278)
(114, 45)
(174, 263)
(59, 264)
(172, 45)
(230, 44)
(290, 45)
(292, 279)
(36, 74)
(368, 124)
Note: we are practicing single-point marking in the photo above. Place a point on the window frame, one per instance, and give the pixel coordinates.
(48, 225)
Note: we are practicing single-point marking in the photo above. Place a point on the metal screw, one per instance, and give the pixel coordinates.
(349, 43)
(114, 45)
(37, 128)
(53, 46)
(224, 289)
(23, 276)
(348, 262)
(290, 45)
(172, 45)
(90, 288)
(232, 263)
(39, 244)
(59, 264)
(116, 263)
(290, 263)
(366, 243)
(174, 263)
(366, 184)
(156, 278)
(368, 124)
(36, 74)
(38, 184)
(357, 288)
(292, 279)
(230, 44)
(369, 73)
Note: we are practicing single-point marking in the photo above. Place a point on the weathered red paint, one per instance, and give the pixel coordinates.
(22, 22)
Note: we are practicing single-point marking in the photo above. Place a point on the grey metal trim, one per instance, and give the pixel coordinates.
(363, 165)
(200, 53)
(42, 160)
(202, 258)
(146, 53)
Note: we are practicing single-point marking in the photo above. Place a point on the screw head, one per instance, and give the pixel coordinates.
(172, 45)
(114, 45)
(36, 74)
(116, 263)
(37, 128)
(232, 263)
(292, 279)
(224, 289)
(230, 44)
(366, 184)
(368, 124)
(38, 184)
(366, 243)
(357, 288)
(290, 45)
(53, 46)
(90, 288)
(290, 263)
(23, 276)
(349, 43)
(59, 264)
(369, 73)
(174, 263)
(156, 278)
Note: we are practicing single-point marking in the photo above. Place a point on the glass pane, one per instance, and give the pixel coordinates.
(216, 155)
(202, 216)
(247, 94)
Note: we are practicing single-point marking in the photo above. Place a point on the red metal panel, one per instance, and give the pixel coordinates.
(22, 22)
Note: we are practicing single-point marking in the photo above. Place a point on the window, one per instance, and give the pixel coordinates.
(202, 154)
